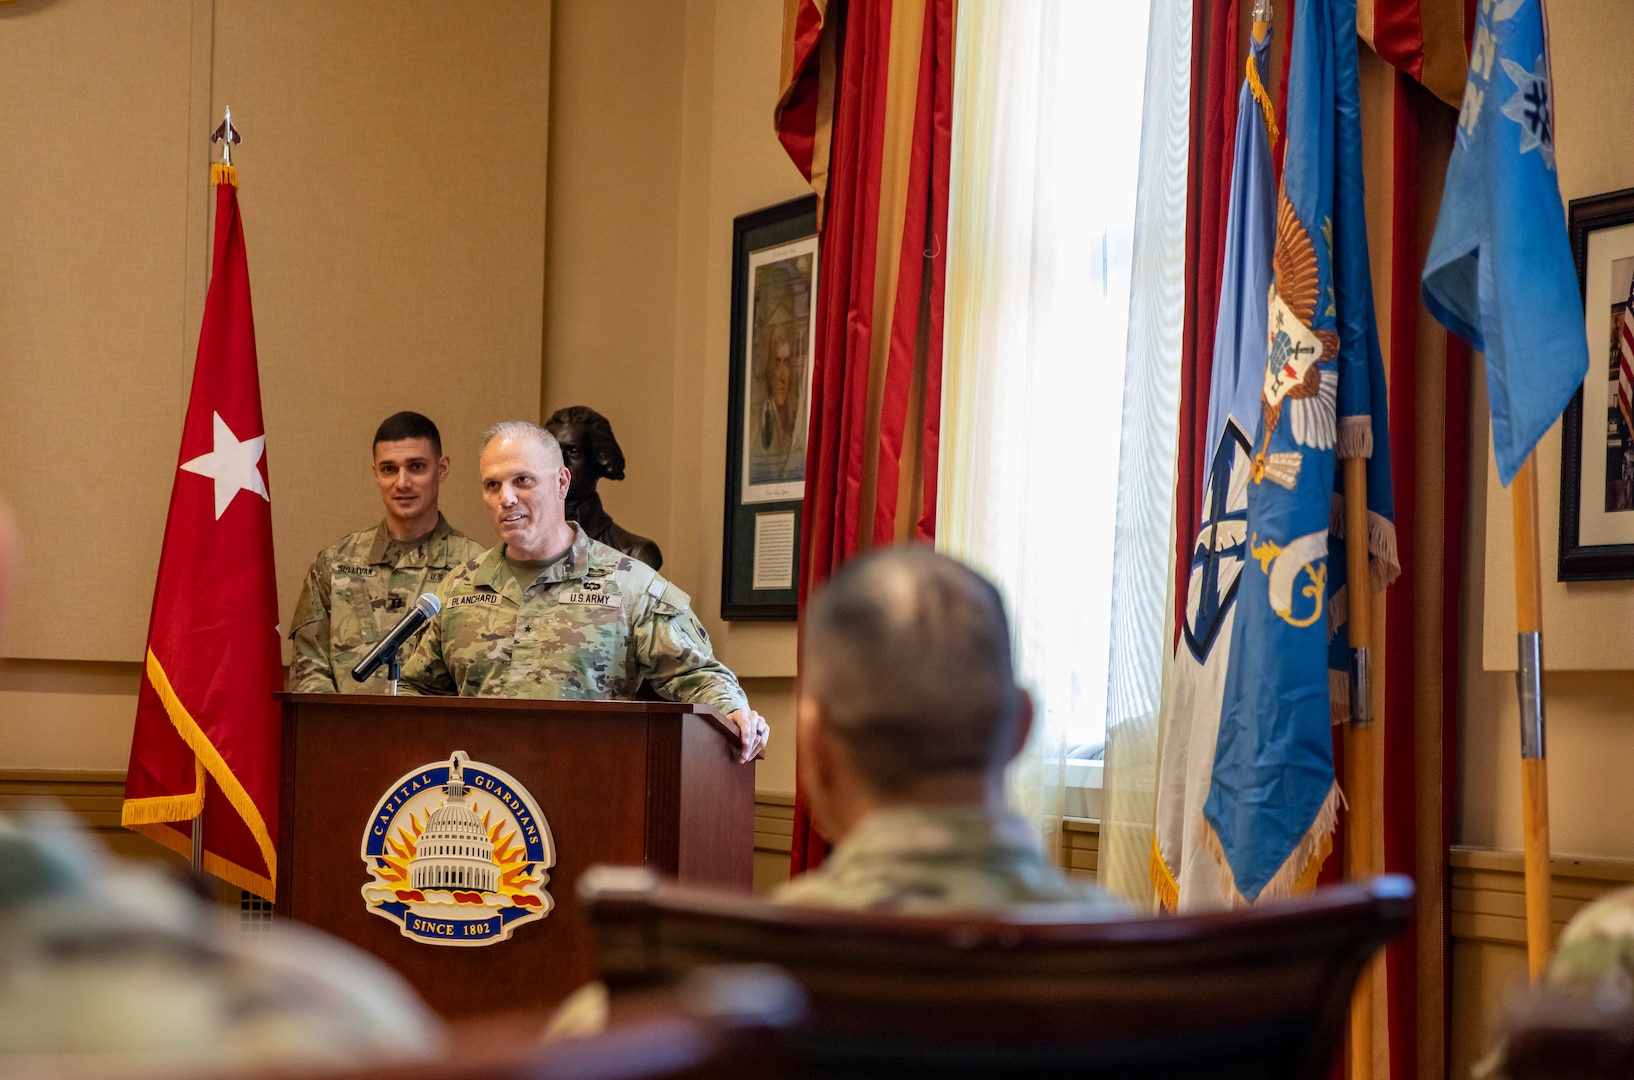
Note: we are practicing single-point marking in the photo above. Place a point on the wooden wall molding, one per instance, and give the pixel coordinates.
(91, 798)
(94, 796)
(1081, 848)
(1489, 891)
(774, 822)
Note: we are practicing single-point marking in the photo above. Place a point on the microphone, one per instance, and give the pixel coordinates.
(423, 609)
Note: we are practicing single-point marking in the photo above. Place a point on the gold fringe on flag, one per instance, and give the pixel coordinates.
(158, 809)
(145, 812)
(1168, 889)
(223, 174)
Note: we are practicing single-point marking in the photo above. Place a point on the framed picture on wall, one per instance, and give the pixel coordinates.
(1597, 447)
(774, 326)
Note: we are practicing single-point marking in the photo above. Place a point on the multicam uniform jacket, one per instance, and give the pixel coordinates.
(357, 590)
(935, 860)
(1597, 944)
(591, 626)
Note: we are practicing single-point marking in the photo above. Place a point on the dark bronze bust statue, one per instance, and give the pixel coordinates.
(590, 453)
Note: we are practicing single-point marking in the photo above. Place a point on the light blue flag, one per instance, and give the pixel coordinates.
(1185, 876)
(1272, 802)
(1499, 273)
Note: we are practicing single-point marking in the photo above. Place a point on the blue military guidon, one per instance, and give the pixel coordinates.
(1499, 273)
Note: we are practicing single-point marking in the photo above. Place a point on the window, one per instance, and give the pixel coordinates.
(1038, 426)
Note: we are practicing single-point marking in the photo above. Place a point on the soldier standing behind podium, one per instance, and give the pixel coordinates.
(361, 585)
(550, 613)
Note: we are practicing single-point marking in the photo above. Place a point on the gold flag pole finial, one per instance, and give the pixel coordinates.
(227, 135)
(1262, 19)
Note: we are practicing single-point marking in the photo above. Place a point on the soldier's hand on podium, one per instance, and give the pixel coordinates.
(753, 731)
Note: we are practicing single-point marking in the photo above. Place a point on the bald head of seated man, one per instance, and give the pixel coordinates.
(909, 712)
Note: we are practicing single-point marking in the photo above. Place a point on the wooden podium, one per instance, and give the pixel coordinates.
(619, 782)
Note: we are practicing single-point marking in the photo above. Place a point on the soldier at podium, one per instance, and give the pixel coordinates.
(359, 586)
(550, 613)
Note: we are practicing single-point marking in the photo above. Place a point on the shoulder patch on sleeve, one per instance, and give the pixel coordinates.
(667, 600)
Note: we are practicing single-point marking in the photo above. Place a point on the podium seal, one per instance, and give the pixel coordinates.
(458, 854)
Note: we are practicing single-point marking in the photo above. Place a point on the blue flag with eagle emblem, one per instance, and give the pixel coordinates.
(1499, 273)
(1273, 803)
(1184, 876)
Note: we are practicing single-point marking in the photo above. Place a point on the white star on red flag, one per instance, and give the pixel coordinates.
(233, 465)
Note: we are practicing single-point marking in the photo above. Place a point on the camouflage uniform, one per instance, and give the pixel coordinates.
(935, 860)
(357, 590)
(1597, 943)
(111, 968)
(591, 626)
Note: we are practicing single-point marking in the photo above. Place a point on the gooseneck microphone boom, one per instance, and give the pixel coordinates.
(423, 609)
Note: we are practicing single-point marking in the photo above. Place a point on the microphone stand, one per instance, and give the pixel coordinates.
(394, 669)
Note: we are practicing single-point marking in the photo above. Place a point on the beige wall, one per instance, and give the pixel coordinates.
(393, 175)
(395, 203)
(661, 134)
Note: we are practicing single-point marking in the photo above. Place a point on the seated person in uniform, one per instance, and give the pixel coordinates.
(363, 583)
(550, 613)
(908, 713)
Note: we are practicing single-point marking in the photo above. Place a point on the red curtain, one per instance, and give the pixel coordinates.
(867, 113)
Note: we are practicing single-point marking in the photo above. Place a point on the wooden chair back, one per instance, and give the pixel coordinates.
(1259, 992)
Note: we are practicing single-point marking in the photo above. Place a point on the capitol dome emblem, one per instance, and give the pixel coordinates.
(458, 854)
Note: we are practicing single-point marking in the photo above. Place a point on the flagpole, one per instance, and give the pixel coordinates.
(1359, 745)
(1523, 493)
(198, 845)
(227, 135)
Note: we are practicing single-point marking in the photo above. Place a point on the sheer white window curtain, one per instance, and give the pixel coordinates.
(1060, 387)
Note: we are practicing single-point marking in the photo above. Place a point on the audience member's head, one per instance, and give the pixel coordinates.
(908, 695)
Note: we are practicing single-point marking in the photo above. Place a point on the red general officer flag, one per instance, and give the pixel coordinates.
(207, 726)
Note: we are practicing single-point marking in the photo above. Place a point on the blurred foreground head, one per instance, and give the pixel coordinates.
(908, 692)
(111, 968)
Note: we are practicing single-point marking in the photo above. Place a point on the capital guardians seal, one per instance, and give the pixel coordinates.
(458, 853)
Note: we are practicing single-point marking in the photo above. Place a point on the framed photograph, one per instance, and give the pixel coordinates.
(774, 326)
(1597, 447)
